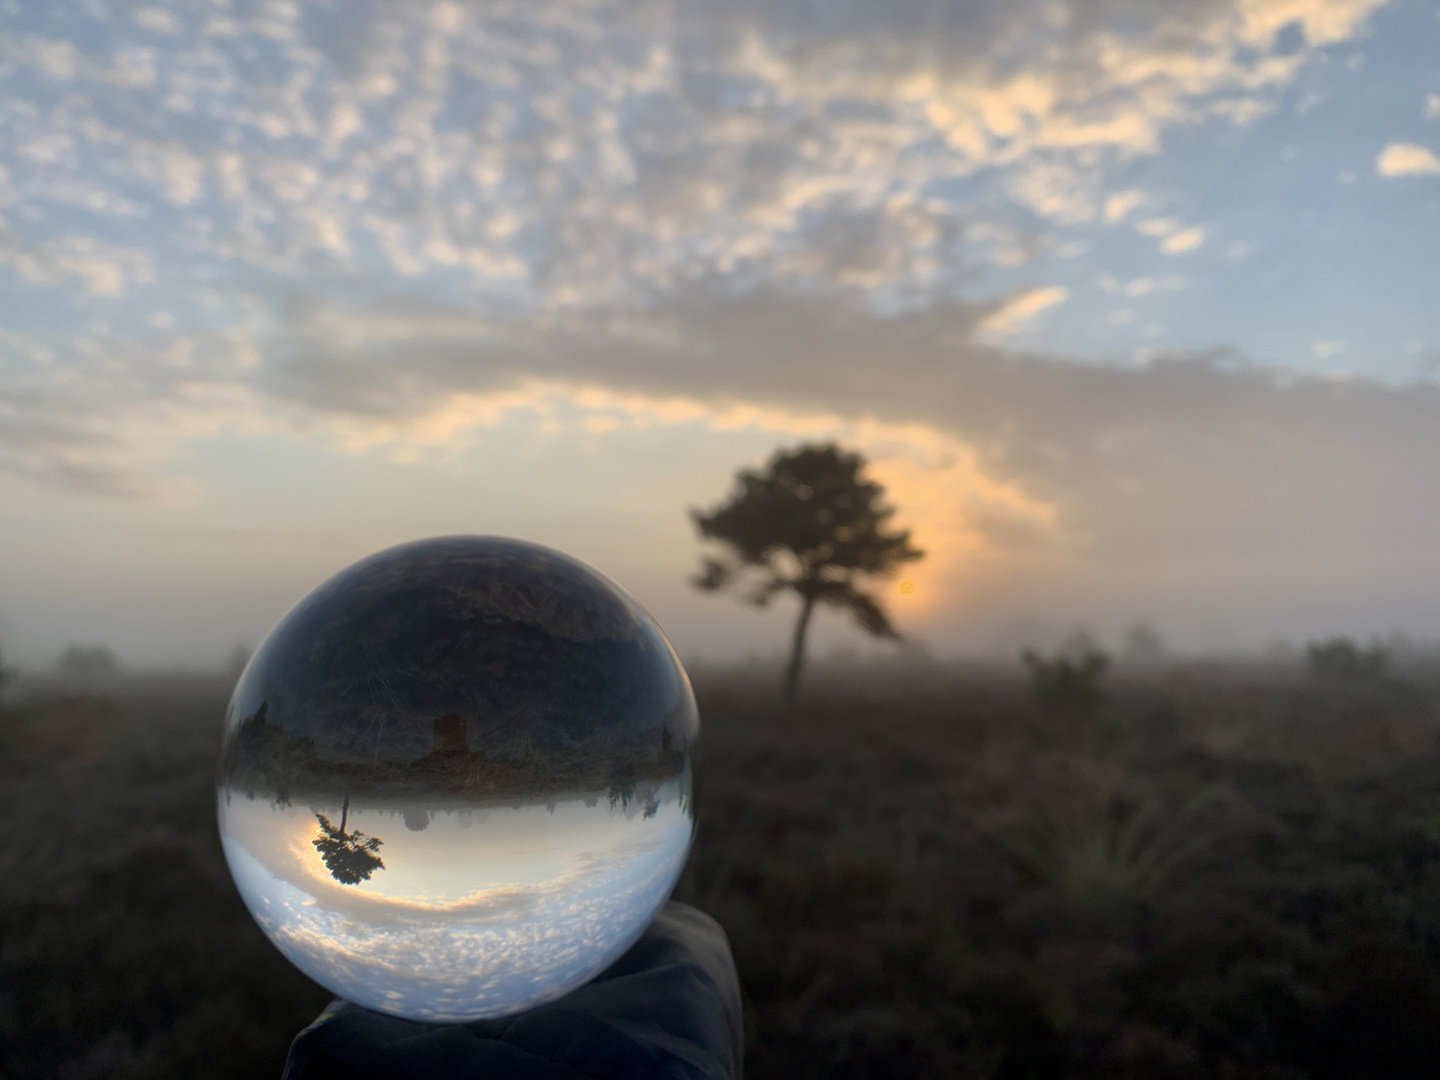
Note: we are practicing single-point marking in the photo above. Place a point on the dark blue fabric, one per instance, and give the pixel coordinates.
(669, 1009)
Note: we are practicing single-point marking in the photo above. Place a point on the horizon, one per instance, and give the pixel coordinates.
(839, 657)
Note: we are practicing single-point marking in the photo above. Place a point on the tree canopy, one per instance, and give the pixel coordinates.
(810, 523)
(349, 856)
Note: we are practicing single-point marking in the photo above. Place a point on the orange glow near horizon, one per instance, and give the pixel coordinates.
(936, 481)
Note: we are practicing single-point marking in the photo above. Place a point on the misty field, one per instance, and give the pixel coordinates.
(1225, 870)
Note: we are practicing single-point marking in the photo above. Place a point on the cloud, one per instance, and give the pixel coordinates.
(1175, 239)
(1142, 286)
(59, 446)
(99, 269)
(1187, 462)
(1191, 483)
(103, 415)
(1322, 22)
(1119, 205)
(1432, 107)
(1185, 240)
(1157, 226)
(1199, 483)
(568, 155)
(1407, 159)
(157, 19)
(1022, 306)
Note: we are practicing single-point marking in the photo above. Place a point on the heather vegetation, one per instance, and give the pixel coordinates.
(1180, 869)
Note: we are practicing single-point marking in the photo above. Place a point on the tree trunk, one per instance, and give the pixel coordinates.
(797, 651)
(344, 813)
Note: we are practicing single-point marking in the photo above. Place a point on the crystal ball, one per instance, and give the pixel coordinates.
(455, 780)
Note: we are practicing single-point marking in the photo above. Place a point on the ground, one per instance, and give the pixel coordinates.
(1226, 870)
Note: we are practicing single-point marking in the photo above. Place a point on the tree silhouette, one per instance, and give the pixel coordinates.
(350, 857)
(810, 524)
(1065, 682)
(89, 664)
(1341, 659)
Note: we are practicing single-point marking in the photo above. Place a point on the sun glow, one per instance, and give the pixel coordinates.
(959, 511)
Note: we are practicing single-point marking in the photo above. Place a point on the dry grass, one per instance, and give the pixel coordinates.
(1227, 871)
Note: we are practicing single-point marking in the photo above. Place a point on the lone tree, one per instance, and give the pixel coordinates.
(810, 524)
(349, 856)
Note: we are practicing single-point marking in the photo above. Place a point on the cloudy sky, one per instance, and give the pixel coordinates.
(1131, 304)
(477, 913)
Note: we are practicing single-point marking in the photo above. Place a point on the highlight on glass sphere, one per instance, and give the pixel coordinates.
(455, 780)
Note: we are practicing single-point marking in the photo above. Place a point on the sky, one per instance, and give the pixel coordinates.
(460, 921)
(1129, 304)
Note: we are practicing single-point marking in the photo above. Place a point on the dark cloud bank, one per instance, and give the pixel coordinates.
(1257, 500)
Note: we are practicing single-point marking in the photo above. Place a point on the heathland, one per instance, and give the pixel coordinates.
(1225, 869)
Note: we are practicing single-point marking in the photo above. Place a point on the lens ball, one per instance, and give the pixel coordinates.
(455, 780)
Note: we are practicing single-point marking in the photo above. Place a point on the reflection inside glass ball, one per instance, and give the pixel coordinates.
(455, 779)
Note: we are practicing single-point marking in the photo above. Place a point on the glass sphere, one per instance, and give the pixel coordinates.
(455, 780)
